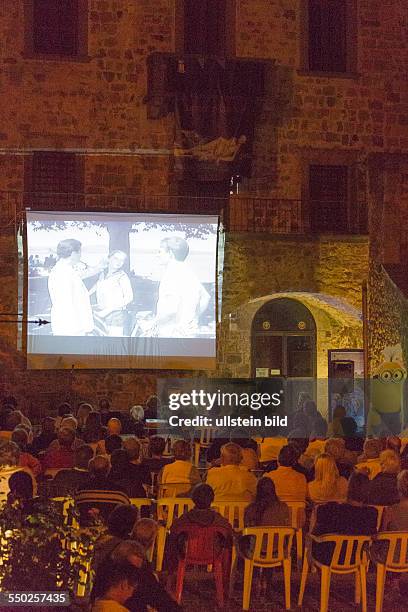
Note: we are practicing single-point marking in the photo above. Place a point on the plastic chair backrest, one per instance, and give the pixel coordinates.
(397, 549)
(201, 545)
(170, 508)
(348, 549)
(172, 489)
(233, 511)
(272, 544)
(141, 502)
(297, 513)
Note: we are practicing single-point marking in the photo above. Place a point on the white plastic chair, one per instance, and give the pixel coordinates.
(396, 561)
(297, 517)
(272, 548)
(349, 557)
(168, 509)
(141, 502)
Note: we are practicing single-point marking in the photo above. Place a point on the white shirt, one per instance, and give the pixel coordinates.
(182, 299)
(71, 312)
(114, 292)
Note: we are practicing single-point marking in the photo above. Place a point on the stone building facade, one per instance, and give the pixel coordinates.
(95, 105)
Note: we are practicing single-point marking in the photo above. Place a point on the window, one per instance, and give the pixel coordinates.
(56, 28)
(55, 180)
(328, 199)
(205, 27)
(331, 36)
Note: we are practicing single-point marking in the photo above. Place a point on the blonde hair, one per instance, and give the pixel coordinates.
(390, 462)
(327, 474)
(231, 454)
(145, 532)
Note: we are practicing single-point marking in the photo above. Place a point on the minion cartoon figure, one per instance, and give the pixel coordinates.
(387, 386)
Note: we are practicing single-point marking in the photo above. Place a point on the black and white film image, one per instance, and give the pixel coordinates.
(152, 278)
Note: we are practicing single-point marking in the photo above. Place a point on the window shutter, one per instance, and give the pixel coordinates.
(205, 27)
(328, 35)
(55, 27)
(328, 197)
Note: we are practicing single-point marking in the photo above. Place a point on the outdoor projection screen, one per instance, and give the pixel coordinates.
(121, 290)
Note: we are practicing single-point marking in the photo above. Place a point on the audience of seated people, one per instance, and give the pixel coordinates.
(342, 480)
(231, 480)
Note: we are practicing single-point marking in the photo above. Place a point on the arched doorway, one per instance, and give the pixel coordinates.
(283, 340)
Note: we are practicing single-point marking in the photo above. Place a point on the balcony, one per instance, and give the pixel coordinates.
(238, 213)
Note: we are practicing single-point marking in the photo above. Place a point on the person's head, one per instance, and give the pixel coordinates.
(9, 453)
(114, 427)
(69, 422)
(339, 412)
(137, 413)
(394, 443)
(82, 456)
(182, 450)
(288, 456)
(265, 492)
(112, 443)
(130, 551)
(157, 445)
(298, 441)
(63, 409)
(202, 496)
(120, 462)
(20, 437)
(319, 428)
(48, 425)
(389, 462)
(93, 422)
(99, 466)
(372, 448)
(335, 447)
(66, 437)
(310, 408)
(69, 249)
(231, 454)
(116, 261)
(132, 448)
(104, 405)
(402, 484)
(21, 485)
(349, 426)
(13, 420)
(115, 581)
(358, 488)
(145, 532)
(83, 412)
(326, 473)
(300, 422)
(121, 520)
(174, 248)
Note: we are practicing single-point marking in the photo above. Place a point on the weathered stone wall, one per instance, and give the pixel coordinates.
(387, 316)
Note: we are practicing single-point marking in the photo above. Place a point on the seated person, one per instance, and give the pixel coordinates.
(232, 481)
(150, 593)
(114, 428)
(290, 485)
(9, 459)
(114, 584)
(202, 515)
(62, 455)
(181, 471)
(133, 448)
(99, 468)
(327, 485)
(44, 439)
(125, 474)
(395, 518)
(369, 461)
(337, 449)
(145, 532)
(383, 488)
(22, 494)
(267, 509)
(68, 481)
(120, 524)
(155, 462)
(20, 437)
(112, 443)
(354, 517)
